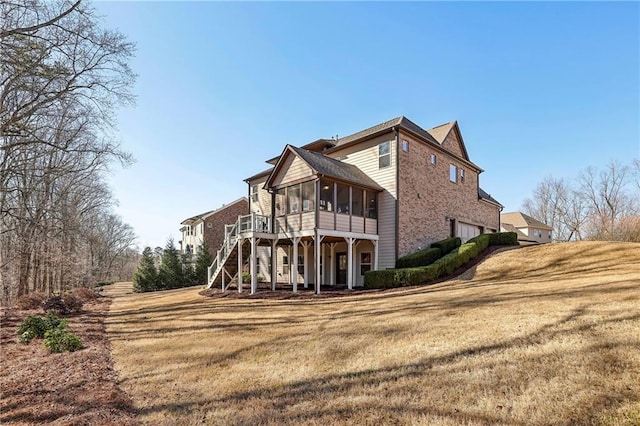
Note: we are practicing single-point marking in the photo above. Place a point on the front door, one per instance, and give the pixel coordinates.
(341, 268)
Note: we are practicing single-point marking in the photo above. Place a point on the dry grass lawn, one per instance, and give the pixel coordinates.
(539, 335)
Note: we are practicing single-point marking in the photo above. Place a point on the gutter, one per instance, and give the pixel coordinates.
(397, 225)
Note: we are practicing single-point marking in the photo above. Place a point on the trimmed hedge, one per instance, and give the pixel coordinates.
(423, 257)
(446, 265)
(390, 278)
(447, 245)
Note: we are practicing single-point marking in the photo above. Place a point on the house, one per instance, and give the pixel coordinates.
(528, 229)
(209, 227)
(330, 210)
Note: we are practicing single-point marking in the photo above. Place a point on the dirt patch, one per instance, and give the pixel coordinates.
(38, 387)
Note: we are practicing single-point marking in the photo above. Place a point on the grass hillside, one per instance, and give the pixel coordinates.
(537, 335)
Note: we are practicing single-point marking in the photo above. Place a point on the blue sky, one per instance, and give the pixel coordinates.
(538, 89)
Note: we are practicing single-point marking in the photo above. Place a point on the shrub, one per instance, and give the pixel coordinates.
(62, 305)
(60, 339)
(503, 239)
(103, 283)
(30, 301)
(246, 277)
(32, 328)
(36, 327)
(390, 278)
(482, 241)
(423, 257)
(447, 245)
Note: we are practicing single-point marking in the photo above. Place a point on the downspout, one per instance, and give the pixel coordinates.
(395, 129)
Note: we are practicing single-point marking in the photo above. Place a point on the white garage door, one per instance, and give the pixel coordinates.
(467, 231)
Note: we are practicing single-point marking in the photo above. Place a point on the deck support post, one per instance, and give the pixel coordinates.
(332, 263)
(240, 242)
(375, 255)
(317, 250)
(305, 254)
(274, 263)
(349, 241)
(294, 265)
(252, 266)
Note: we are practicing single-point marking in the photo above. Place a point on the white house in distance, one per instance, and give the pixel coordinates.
(330, 210)
(529, 230)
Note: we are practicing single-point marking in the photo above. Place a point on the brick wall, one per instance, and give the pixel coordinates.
(214, 224)
(427, 198)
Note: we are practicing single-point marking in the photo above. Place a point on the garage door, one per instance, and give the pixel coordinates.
(467, 231)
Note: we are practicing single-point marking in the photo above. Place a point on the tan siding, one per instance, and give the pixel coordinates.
(357, 224)
(342, 222)
(326, 220)
(293, 223)
(263, 205)
(308, 220)
(365, 157)
(371, 225)
(292, 170)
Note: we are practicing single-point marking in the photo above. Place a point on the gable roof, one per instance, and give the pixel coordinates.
(484, 195)
(521, 220)
(401, 121)
(322, 165)
(202, 216)
(441, 132)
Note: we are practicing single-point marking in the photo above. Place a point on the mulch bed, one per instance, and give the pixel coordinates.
(71, 388)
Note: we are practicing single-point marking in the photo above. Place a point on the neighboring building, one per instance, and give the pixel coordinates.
(209, 227)
(529, 230)
(332, 209)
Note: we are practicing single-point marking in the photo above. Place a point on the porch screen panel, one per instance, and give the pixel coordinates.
(326, 195)
(293, 195)
(281, 202)
(372, 204)
(357, 196)
(342, 199)
(308, 196)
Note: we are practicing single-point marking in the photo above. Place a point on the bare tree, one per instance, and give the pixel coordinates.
(61, 78)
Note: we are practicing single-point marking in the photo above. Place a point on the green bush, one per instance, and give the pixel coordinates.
(103, 283)
(482, 241)
(390, 278)
(423, 257)
(36, 327)
(503, 239)
(32, 328)
(447, 245)
(60, 339)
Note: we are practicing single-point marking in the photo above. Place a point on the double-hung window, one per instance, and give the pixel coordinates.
(384, 155)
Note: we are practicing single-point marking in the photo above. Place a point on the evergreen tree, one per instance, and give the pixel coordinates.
(146, 276)
(203, 261)
(188, 270)
(170, 273)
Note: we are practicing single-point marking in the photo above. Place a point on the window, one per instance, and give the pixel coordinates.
(281, 202)
(285, 264)
(453, 173)
(293, 197)
(365, 262)
(372, 205)
(254, 193)
(461, 175)
(405, 146)
(342, 199)
(384, 155)
(308, 196)
(326, 195)
(209, 224)
(537, 233)
(432, 159)
(356, 202)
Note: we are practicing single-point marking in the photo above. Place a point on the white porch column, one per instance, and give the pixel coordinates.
(305, 254)
(294, 269)
(323, 255)
(252, 267)
(240, 242)
(317, 251)
(355, 263)
(332, 264)
(349, 241)
(274, 263)
(375, 255)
